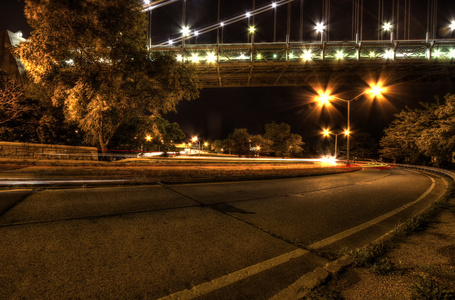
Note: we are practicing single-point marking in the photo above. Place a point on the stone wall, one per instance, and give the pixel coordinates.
(44, 151)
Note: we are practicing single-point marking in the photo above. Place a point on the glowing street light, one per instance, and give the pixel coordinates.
(375, 91)
(195, 139)
(327, 133)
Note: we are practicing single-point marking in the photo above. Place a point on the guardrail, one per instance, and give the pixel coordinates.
(430, 169)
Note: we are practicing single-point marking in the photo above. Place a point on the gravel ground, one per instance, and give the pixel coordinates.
(423, 261)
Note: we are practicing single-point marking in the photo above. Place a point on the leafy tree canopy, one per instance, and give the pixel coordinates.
(426, 132)
(284, 143)
(92, 56)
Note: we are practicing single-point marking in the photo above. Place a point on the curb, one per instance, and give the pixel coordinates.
(311, 280)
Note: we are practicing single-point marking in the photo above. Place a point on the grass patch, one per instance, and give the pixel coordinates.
(323, 293)
(428, 288)
(384, 266)
(366, 257)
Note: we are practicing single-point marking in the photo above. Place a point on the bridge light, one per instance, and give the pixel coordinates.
(258, 56)
(222, 24)
(195, 58)
(179, 58)
(211, 58)
(291, 55)
(389, 54)
(319, 27)
(171, 42)
(243, 56)
(251, 29)
(387, 26)
(347, 132)
(452, 53)
(248, 14)
(339, 55)
(196, 33)
(452, 25)
(274, 5)
(437, 53)
(307, 55)
(372, 54)
(185, 31)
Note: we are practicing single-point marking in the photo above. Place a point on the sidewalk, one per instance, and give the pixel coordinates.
(418, 266)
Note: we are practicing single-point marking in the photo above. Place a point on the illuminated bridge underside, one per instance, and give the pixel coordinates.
(282, 64)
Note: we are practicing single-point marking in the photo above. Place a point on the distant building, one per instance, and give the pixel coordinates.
(8, 63)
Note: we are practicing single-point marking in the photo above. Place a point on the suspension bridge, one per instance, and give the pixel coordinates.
(305, 54)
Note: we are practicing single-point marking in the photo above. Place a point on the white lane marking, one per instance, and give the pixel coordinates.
(346, 233)
(231, 278)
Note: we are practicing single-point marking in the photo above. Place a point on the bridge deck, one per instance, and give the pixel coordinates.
(296, 64)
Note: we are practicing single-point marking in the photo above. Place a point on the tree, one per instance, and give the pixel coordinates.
(363, 145)
(423, 133)
(284, 142)
(261, 144)
(239, 141)
(13, 104)
(92, 56)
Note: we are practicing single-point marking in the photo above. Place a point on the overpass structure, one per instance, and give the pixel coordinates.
(289, 55)
(297, 64)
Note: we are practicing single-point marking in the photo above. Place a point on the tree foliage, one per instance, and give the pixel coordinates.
(284, 143)
(13, 104)
(422, 134)
(277, 140)
(91, 55)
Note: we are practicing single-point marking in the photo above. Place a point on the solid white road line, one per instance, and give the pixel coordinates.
(231, 278)
(346, 233)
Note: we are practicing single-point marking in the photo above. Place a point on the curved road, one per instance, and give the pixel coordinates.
(242, 240)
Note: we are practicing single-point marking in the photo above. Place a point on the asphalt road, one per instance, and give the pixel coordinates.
(237, 240)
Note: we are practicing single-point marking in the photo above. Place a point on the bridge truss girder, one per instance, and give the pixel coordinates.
(285, 64)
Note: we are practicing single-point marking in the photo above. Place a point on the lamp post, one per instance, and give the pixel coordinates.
(324, 98)
(194, 139)
(327, 133)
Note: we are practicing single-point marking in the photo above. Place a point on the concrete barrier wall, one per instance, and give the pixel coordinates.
(45, 151)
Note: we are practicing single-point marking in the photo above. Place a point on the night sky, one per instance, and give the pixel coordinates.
(218, 111)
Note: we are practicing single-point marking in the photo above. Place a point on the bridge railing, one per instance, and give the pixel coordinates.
(418, 50)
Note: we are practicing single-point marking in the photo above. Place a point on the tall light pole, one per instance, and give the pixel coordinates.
(324, 98)
(327, 133)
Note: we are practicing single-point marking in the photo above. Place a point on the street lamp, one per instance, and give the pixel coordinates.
(324, 98)
(327, 133)
(194, 139)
